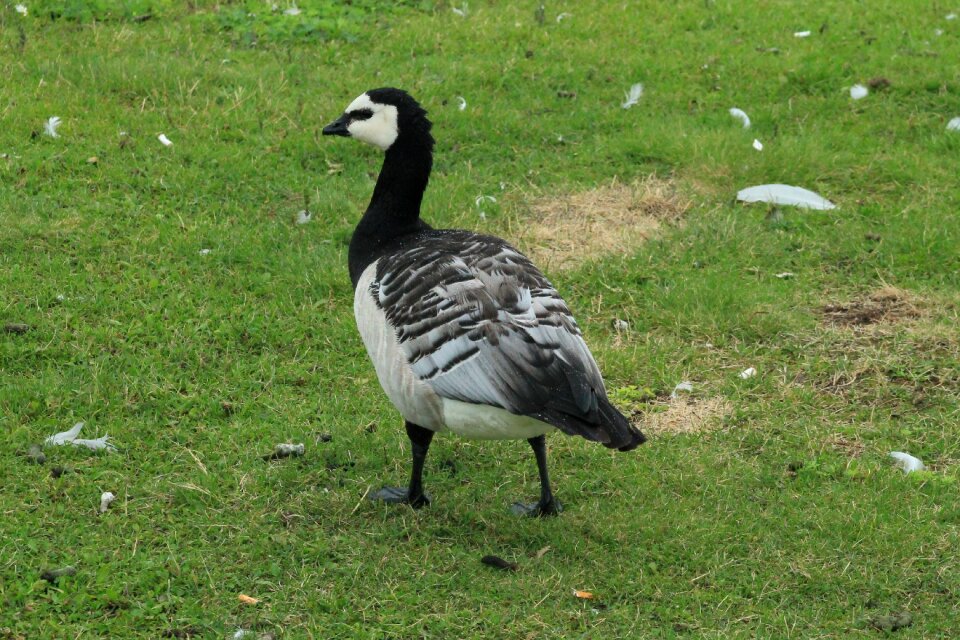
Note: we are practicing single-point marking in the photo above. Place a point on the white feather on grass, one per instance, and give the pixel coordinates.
(561, 16)
(292, 11)
(633, 96)
(50, 127)
(757, 145)
(859, 92)
(801, 34)
(742, 116)
(479, 200)
(907, 462)
(164, 140)
(786, 275)
(95, 444)
(303, 217)
(65, 436)
(70, 437)
(461, 11)
(461, 103)
(686, 385)
(954, 125)
(21, 9)
(785, 194)
(749, 372)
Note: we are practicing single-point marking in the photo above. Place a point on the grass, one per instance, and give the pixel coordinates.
(784, 518)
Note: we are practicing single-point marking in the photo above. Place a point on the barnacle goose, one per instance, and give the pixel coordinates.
(464, 332)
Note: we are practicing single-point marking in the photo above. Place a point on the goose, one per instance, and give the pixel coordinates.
(465, 334)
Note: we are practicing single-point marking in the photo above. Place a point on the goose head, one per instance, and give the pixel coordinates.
(382, 118)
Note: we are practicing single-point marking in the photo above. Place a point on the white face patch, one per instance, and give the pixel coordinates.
(380, 129)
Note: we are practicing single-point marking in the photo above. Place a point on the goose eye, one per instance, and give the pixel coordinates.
(361, 114)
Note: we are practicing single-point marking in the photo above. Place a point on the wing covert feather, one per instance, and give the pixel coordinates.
(480, 323)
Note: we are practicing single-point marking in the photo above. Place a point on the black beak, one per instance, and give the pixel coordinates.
(338, 127)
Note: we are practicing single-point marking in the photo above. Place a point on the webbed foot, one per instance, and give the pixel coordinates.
(537, 510)
(400, 495)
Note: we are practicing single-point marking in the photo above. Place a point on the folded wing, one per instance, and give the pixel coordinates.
(479, 323)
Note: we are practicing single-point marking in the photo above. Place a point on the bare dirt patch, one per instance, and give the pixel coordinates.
(885, 305)
(683, 415)
(567, 230)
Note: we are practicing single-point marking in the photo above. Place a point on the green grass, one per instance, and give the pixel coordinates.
(760, 528)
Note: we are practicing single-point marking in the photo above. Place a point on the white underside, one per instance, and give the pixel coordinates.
(483, 422)
(416, 400)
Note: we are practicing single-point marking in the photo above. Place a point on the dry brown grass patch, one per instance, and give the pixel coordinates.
(683, 415)
(611, 219)
(886, 304)
(849, 447)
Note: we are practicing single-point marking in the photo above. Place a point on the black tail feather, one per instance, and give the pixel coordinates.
(623, 435)
(613, 431)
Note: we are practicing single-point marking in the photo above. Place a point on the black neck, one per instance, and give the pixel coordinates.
(394, 209)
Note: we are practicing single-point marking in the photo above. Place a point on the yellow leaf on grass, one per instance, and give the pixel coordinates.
(584, 595)
(245, 599)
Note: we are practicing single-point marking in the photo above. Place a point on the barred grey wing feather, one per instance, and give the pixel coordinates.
(479, 323)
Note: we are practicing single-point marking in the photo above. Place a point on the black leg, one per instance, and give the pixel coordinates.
(548, 505)
(414, 496)
(420, 439)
